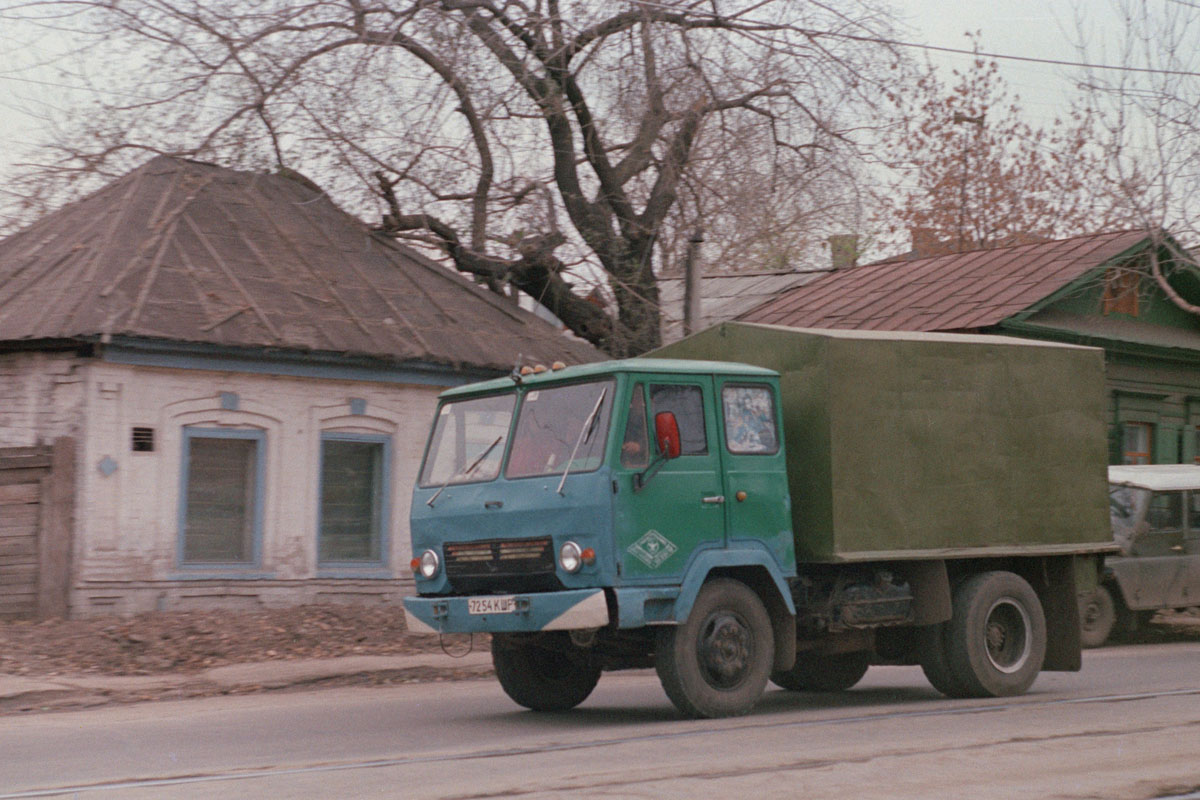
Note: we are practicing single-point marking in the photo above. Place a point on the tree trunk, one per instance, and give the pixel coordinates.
(636, 291)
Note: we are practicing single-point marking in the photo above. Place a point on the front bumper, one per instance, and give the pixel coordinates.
(534, 611)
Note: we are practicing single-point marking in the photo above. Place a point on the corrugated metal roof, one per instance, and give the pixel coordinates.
(961, 291)
(183, 251)
(724, 297)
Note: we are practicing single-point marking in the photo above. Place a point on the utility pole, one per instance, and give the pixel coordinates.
(959, 119)
(691, 283)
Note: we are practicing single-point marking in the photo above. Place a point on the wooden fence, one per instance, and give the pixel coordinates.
(36, 524)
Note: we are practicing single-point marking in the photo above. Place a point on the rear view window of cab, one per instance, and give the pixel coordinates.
(750, 420)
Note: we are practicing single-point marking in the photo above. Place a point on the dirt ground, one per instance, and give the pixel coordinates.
(189, 641)
(181, 642)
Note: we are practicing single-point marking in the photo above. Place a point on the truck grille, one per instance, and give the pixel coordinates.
(501, 565)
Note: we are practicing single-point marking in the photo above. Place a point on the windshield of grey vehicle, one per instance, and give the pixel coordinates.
(468, 440)
(558, 425)
(1125, 506)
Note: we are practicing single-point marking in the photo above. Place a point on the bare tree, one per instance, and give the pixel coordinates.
(1145, 94)
(977, 175)
(533, 143)
(1148, 104)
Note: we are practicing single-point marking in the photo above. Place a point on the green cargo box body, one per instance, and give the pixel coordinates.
(913, 445)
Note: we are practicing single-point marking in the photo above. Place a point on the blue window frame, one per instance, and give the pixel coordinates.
(221, 497)
(353, 513)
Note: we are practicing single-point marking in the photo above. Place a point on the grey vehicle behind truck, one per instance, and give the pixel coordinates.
(1155, 513)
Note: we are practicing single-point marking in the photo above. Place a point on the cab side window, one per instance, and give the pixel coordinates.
(1166, 511)
(1164, 518)
(635, 446)
(749, 420)
(687, 404)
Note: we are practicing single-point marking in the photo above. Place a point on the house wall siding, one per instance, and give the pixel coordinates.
(1165, 395)
(127, 539)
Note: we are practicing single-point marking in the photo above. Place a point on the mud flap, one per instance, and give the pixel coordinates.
(1056, 588)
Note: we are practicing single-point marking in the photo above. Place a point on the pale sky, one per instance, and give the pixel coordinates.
(1030, 28)
(30, 86)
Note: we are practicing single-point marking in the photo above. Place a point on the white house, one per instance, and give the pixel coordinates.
(246, 374)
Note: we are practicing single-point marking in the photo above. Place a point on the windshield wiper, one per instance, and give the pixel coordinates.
(589, 426)
(467, 472)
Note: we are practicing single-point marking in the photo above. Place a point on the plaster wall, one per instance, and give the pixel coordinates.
(127, 538)
(41, 395)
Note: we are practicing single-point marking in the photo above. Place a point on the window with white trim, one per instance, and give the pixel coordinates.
(221, 503)
(353, 500)
(1136, 438)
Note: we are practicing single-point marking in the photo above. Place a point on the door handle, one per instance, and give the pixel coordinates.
(715, 500)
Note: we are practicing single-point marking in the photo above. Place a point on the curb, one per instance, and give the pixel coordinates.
(19, 694)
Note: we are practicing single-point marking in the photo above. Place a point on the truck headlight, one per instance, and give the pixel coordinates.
(427, 565)
(570, 557)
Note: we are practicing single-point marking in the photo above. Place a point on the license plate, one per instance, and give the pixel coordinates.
(492, 605)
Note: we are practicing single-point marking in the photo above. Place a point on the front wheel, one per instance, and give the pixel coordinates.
(815, 672)
(996, 638)
(544, 671)
(716, 663)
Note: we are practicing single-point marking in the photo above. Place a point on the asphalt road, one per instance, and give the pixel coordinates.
(1128, 726)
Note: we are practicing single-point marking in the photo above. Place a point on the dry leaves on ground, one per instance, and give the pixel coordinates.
(182, 641)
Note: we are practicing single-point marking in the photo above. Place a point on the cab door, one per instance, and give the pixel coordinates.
(1154, 576)
(679, 507)
(757, 503)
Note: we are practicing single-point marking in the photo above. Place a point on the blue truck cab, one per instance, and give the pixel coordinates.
(574, 511)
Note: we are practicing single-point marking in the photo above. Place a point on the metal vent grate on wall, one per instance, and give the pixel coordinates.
(143, 440)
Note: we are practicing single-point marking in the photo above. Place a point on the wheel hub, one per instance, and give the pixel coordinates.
(1091, 613)
(1006, 636)
(724, 650)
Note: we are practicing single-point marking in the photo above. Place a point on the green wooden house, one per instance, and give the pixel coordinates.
(1098, 290)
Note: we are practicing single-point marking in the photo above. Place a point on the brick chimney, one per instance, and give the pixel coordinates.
(925, 243)
(843, 250)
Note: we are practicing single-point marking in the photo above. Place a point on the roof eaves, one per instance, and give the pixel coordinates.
(1088, 275)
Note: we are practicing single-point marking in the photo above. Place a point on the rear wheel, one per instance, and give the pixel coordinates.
(996, 638)
(815, 672)
(1097, 615)
(544, 671)
(716, 663)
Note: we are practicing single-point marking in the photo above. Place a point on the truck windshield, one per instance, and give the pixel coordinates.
(467, 432)
(556, 422)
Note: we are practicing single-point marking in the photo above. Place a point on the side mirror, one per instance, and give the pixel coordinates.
(666, 434)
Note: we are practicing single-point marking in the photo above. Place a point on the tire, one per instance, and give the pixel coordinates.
(823, 673)
(996, 639)
(931, 654)
(544, 672)
(1097, 616)
(716, 663)
(1126, 622)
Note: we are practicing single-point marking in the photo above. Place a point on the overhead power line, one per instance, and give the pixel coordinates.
(999, 56)
(816, 34)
